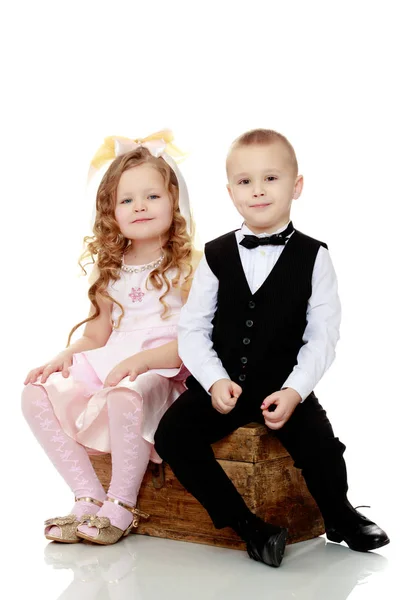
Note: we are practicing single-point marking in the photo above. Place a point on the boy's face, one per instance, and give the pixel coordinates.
(262, 183)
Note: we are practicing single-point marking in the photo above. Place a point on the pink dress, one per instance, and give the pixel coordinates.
(80, 401)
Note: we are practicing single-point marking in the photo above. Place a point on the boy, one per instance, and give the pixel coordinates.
(257, 333)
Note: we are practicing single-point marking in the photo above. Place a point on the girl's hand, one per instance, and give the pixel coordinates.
(285, 401)
(132, 367)
(61, 362)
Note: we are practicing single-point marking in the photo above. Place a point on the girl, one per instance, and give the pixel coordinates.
(108, 391)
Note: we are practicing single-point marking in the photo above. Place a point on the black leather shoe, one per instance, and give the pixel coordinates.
(358, 532)
(265, 543)
(268, 550)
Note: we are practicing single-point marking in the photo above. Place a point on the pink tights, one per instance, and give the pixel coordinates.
(130, 453)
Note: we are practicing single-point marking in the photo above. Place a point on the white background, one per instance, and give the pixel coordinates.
(325, 74)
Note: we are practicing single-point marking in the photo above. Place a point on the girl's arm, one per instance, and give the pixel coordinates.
(95, 335)
(162, 357)
(96, 332)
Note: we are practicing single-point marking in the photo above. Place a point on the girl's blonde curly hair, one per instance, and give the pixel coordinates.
(107, 246)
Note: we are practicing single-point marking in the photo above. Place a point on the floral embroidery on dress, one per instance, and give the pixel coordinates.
(136, 295)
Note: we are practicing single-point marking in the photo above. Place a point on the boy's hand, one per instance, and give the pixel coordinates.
(224, 395)
(133, 367)
(285, 401)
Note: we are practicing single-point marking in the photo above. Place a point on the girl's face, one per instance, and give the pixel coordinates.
(143, 208)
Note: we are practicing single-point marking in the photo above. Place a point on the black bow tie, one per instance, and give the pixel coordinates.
(278, 239)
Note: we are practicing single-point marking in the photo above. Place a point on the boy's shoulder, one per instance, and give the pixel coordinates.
(221, 240)
(310, 240)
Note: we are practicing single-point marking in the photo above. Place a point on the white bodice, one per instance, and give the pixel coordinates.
(142, 307)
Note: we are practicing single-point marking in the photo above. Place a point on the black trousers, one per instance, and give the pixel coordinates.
(187, 430)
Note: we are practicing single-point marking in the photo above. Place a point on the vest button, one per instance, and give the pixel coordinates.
(242, 377)
(243, 360)
(249, 323)
(246, 341)
(252, 304)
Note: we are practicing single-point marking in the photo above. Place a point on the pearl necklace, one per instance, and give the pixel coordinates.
(148, 267)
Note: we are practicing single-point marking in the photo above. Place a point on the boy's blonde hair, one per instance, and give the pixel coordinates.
(261, 137)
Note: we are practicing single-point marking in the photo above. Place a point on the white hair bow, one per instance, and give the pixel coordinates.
(160, 146)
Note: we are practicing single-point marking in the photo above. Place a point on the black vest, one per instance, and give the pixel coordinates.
(258, 336)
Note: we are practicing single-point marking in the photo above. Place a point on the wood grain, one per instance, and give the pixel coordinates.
(261, 470)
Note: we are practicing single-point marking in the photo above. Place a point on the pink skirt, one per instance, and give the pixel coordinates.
(80, 402)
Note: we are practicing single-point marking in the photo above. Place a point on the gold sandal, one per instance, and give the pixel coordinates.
(109, 534)
(68, 525)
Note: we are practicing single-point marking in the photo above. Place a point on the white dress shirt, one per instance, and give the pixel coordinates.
(320, 335)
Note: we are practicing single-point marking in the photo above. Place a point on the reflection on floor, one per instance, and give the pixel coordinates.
(145, 568)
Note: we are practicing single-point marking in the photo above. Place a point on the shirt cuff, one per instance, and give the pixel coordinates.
(210, 376)
(300, 382)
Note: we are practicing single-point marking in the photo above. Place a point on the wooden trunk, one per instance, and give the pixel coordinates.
(262, 471)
